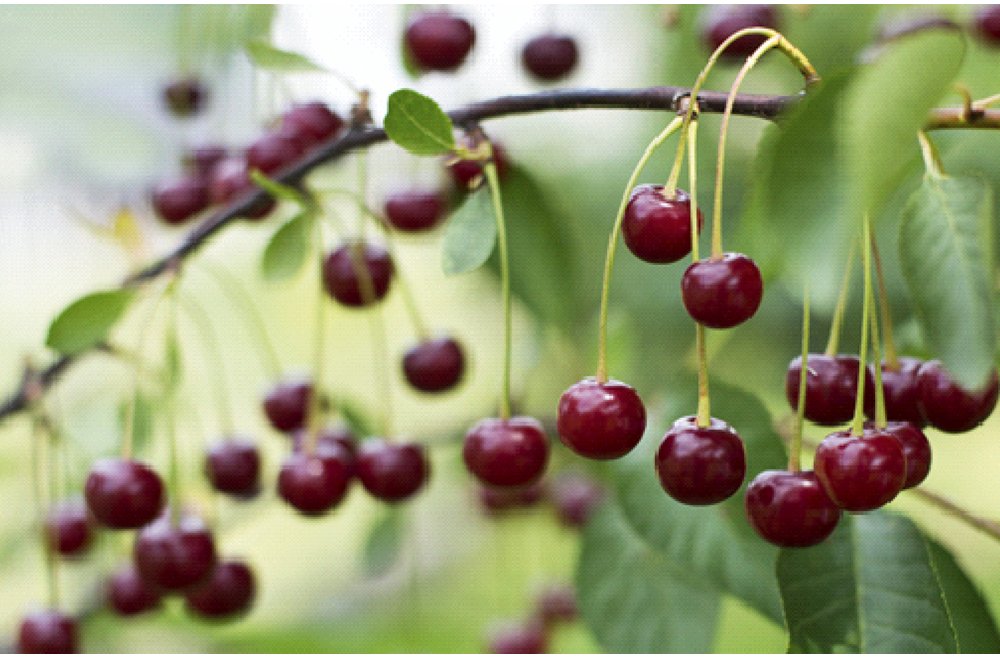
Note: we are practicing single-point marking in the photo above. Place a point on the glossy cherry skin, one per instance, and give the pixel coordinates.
(575, 497)
(347, 269)
(722, 21)
(949, 407)
(338, 436)
(439, 41)
(550, 56)
(860, 473)
(185, 97)
(723, 292)
(68, 528)
(179, 200)
(230, 180)
(123, 494)
(831, 387)
(987, 24)
(272, 152)
(201, 160)
(415, 210)
(601, 421)
(313, 122)
(700, 466)
(287, 404)
(526, 637)
(233, 467)
(129, 594)
(228, 593)
(506, 452)
(916, 449)
(314, 482)
(790, 509)
(657, 229)
(392, 472)
(899, 386)
(496, 501)
(469, 173)
(557, 604)
(47, 632)
(174, 557)
(434, 365)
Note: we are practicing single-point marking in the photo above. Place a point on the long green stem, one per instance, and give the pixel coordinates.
(692, 137)
(932, 159)
(833, 342)
(795, 450)
(704, 415)
(880, 414)
(704, 418)
(40, 440)
(216, 363)
(174, 475)
(490, 170)
(891, 357)
(314, 415)
(609, 259)
(857, 427)
(128, 434)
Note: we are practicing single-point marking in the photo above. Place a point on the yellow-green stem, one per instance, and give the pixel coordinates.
(174, 474)
(314, 416)
(857, 426)
(833, 342)
(932, 159)
(704, 418)
(795, 449)
(494, 183)
(880, 415)
(692, 136)
(891, 357)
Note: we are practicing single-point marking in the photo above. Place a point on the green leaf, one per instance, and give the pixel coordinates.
(384, 543)
(871, 587)
(974, 625)
(715, 544)
(288, 249)
(277, 189)
(946, 254)
(470, 234)
(87, 321)
(355, 417)
(418, 124)
(633, 598)
(265, 56)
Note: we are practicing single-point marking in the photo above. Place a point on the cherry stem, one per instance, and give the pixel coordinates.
(490, 170)
(314, 420)
(41, 438)
(891, 357)
(692, 136)
(362, 183)
(932, 159)
(704, 418)
(609, 259)
(174, 476)
(795, 450)
(857, 426)
(833, 342)
(216, 363)
(704, 414)
(880, 415)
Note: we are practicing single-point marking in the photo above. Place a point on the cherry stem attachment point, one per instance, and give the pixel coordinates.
(704, 418)
(493, 181)
(795, 450)
(833, 342)
(857, 426)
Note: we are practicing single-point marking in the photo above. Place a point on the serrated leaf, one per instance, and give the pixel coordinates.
(288, 249)
(418, 124)
(946, 255)
(470, 234)
(87, 321)
(633, 598)
(265, 56)
(277, 189)
(870, 587)
(384, 543)
(974, 625)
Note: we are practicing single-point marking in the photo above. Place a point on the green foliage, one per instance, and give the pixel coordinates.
(277, 189)
(143, 421)
(970, 615)
(288, 249)
(266, 56)
(384, 543)
(87, 321)
(418, 124)
(470, 234)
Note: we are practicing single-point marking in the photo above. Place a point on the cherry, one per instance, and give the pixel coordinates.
(601, 420)
(498, 500)
(179, 200)
(339, 436)
(700, 466)
(272, 152)
(129, 594)
(722, 21)
(228, 593)
(287, 404)
(392, 472)
(233, 467)
(949, 407)
(987, 24)
(519, 638)
(557, 604)
(201, 160)
(469, 173)
(185, 96)
(313, 483)
(434, 365)
(123, 494)
(550, 56)
(415, 210)
(790, 509)
(575, 497)
(899, 387)
(314, 122)
(506, 452)
(230, 180)
(47, 632)
(347, 268)
(722, 292)
(174, 556)
(916, 449)
(68, 528)
(656, 228)
(439, 41)
(861, 473)
(831, 387)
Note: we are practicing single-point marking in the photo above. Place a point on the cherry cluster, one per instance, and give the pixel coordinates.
(555, 605)
(573, 497)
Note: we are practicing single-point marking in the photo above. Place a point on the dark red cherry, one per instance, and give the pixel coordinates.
(899, 386)
(790, 509)
(987, 24)
(550, 56)
(575, 497)
(415, 210)
(314, 482)
(272, 152)
(123, 494)
(526, 637)
(233, 467)
(469, 173)
(860, 473)
(499, 500)
(700, 466)
(185, 96)
(129, 594)
(358, 274)
(174, 557)
(434, 365)
(179, 200)
(201, 160)
(228, 593)
(722, 292)
(230, 180)
(47, 632)
(439, 40)
(949, 407)
(722, 21)
(392, 472)
(339, 436)
(831, 387)
(601, 420)
(557, 604)
(658, 229)
(314, 122)
(68, 528)
(507, 452)
(287, 404)
(916, 449)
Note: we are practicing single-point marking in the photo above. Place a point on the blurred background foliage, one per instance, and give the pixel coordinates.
(84, 137)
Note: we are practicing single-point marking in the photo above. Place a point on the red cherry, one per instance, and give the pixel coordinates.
(831, 387)
(228, 593)
(47, 632)
(392, 472)
(415, 210)
(272, 152)
(233, 467)
(179, 200)
(439, 41)
(123, 494)
(557, 604)
(656, 228)
(507, 452)
(550, 56)
(129, 594)
(313, 483)
(496, 501)
(575, 497)
(700, 466)
(230, 180)
(434, 365)
(287, 404)
(987, 24)
(949, 407)
(916, 449)
(722, 21)
(68, 528)
(899, 386)
(174, 557)
(601, 420)
(861, 473)
(790, 509)
(347, 269)
(722, 292)
(313, 122)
